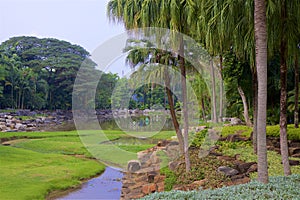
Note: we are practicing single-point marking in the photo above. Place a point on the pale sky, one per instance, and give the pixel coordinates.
(82, 22)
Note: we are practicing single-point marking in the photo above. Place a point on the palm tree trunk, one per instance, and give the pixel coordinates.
(260, 29)
(221, 90)
(254, 88)
(214, 102)
(283, 108)
(172, 111)
(185, 107)
(203, 109)
(246, 112)
(296, 112)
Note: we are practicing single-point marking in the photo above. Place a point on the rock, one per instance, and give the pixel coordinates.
(200, 183)
(162, 143)
(296, 155)
(20, 126)
(173, 165)
(234, 138)
(149, 188)
(173, 143)
(154, 159)
(294, 150)
(31, 125)
(228, 171)
(3, 128)
(160, 187)
(133, 166)
(252, 168)
(235, 121)
(294, 162)
(245, 166)
(240, 180)
(226, 158)
(294, 144)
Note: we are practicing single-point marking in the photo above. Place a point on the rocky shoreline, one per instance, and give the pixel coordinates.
(26, 120)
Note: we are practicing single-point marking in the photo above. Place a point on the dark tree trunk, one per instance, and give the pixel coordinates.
(221, 90)
(214, 99)
(283, 98)
(172, 110)
(283, 108)
(185, 107)
(296, 112)
(245, 105)
(203, 109)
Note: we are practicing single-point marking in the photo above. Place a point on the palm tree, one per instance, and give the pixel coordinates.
(167, 14)
(147, 59)
(284, 22)
(260, 26)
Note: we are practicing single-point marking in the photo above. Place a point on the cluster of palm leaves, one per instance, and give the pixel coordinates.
(242, 27)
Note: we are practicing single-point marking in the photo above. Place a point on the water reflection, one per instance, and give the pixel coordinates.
(137, 123)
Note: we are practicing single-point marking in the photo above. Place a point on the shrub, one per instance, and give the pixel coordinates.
(170, 178)
(243, 130)
(277, 188)
(199, 138)
(293, 133)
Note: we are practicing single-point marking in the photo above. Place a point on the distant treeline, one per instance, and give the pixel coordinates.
(39, 74)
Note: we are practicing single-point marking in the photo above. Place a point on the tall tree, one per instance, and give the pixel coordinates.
(260, 26)
(33, 61)
(147, 60)
(166, 14)
(296, 109)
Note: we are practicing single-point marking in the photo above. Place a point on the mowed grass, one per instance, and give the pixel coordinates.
(37, 163)
(26, 174)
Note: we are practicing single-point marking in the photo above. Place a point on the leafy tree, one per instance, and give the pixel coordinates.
(236, 75)
(41, 72)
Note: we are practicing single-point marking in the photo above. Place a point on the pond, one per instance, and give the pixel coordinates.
(107, 186)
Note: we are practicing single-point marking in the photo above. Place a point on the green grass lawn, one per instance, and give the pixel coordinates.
(27, 174)
(37, 163)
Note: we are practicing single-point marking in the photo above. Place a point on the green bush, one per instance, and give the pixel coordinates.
(245, 150)
(277, 188)
(272, 131)
(293, 133)
(170, 178)
(199, 138)
(229, 130)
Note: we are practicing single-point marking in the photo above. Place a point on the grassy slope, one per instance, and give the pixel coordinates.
(42, 162)
(279, 187)
(26, 174)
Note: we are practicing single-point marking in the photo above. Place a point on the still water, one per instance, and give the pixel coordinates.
(107, 186)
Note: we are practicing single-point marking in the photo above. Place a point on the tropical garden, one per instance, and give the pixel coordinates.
(251, 52)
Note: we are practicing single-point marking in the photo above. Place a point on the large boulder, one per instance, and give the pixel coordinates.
(133, 166)
(228, 171)
(236, 121)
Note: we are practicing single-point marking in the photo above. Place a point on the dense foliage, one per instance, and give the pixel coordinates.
(40, 73)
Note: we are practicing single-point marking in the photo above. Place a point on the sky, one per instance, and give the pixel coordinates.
(82, 22)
